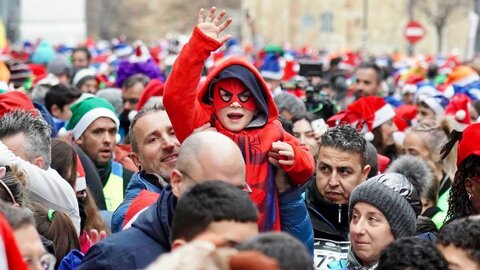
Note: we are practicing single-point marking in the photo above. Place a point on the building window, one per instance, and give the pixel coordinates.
(326, 22)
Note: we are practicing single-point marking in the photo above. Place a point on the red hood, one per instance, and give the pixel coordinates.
(273, 111)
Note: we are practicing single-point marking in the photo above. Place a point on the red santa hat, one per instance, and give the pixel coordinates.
(10, 256)
(15, 100)
(383, 163)
(459, 109)
(469, 144)
(144, 199)
(365, 114)
(410, 86)
(154, 89)
(152, 94)
(80, 183)
(404, 114)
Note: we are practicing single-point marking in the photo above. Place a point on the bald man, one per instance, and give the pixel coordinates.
(203, 156)
(208, 155)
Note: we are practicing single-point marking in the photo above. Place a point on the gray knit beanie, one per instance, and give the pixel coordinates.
(392, 194)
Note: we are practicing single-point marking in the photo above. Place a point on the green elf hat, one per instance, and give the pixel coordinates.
(86, 111)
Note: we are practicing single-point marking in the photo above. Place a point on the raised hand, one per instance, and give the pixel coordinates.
(211, 25)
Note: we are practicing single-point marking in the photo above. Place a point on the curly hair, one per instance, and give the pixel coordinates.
(416, 253)
(463, 234)
(460, 204)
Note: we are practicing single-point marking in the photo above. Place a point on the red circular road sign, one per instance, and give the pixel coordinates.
(414, 32)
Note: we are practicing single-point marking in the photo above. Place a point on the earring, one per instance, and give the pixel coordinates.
(469, 196)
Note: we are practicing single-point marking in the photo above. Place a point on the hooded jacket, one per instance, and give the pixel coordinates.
(138, 246)
(329, 220)
(137, 183)
(188, 109)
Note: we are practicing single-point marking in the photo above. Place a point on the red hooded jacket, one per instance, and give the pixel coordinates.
(189, 109)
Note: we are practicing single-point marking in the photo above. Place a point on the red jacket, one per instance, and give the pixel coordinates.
(189, 109)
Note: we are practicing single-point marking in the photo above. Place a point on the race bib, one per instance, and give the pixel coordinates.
(326, 251)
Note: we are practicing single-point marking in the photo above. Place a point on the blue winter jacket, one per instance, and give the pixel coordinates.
(135, 186)
(138, 246)
(294, 217)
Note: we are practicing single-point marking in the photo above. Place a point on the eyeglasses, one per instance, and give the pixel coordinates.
(130, 100)
(46, 261)
(244, 187)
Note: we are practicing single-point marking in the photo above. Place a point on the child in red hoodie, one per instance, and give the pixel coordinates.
(235, 101)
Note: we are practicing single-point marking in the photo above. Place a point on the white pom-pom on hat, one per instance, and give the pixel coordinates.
(460, 115)
(62, 132)
(368, 136)
(132, 115)
(118, 138)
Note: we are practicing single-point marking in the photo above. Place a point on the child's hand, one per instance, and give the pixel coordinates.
(211, 26)
(281, 154)
(205, 127)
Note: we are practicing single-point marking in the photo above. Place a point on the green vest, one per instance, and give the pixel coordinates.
(442, 202)
(438, 219)
(113, 190)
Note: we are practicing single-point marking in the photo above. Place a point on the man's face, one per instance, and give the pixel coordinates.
(272, 84)
(457, 258)
(30, 245)
(408, 98)
(63, 78)
(80, 60)
(157, 144)
(302, 130)
(66, 113)
(131, 95)
(228, 233)
(425, 113)
(16, 144)
(366, 83)
(338, 173)
(98, 140)
(89, 86)
(234, 103)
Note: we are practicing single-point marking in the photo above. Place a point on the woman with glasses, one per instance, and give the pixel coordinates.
(425, 140)
(465, 193)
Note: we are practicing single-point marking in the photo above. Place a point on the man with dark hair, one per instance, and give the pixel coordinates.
(81, 58)
(368, 80)
(94, 128)
(217, 211)
(154, 151)
(58, 101)
(412, 253)
(203, 156)
(132, 89)
(459, 242)
(287, 250)
(341, 166)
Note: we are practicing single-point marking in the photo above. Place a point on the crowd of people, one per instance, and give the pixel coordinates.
(205, 156)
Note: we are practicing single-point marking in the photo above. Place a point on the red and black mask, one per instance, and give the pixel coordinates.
(228, 91)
